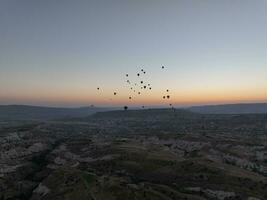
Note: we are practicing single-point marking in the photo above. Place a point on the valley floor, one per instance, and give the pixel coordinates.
(112, 156)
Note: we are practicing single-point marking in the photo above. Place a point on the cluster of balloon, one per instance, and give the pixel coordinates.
(167, 96)
(135, 87)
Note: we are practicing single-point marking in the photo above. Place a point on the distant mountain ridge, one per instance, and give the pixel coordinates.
(144, 113)
(245, 108)
(26, 112)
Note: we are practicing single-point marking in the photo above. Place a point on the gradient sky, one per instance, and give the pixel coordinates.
(55, 52)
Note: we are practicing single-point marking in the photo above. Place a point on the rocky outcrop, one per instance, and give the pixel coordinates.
(42, 190)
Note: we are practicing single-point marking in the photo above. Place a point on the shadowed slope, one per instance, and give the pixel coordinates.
(22, 112)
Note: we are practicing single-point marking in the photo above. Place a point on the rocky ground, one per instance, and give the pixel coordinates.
(150, 154)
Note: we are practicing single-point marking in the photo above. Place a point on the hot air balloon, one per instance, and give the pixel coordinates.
(115, 93)
(168, 96)
(125, 107)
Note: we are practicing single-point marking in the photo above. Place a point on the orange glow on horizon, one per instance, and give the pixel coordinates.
(177, 98)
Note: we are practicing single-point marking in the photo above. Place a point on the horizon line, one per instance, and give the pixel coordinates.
(134, 106)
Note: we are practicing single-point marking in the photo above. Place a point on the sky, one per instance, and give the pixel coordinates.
(57, 52)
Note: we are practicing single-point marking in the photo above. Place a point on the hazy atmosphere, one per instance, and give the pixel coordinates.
(57, 53)
(133, 100)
